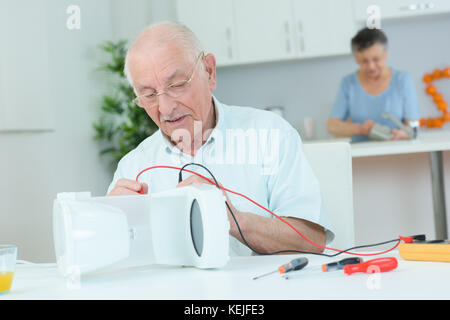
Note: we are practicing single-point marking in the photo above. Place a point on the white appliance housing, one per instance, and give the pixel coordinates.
(184, 226)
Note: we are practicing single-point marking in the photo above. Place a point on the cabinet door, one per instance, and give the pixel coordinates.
(24, 67)
(391, 9)
(213, 23)
(264, 30)
(323, 27)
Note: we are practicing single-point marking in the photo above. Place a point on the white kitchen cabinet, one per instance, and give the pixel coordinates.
(24, 67)
(264, 30)
(323, 27)
(391, 9)
(213, 23)
(252, 31)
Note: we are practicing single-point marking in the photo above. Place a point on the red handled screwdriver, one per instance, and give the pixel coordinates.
(296, 264)
(372, 266)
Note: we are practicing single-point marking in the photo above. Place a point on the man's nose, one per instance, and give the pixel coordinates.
(165, 104)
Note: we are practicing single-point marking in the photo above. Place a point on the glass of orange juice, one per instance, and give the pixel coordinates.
(8, 256)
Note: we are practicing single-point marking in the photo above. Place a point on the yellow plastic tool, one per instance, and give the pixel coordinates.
(425, 251)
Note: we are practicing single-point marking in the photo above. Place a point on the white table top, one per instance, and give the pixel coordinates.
(427, 141)
(411, 280)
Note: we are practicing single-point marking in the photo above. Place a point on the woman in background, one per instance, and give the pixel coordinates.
(373, 89)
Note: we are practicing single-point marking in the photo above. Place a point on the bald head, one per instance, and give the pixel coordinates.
(167, 60)
(162, 35)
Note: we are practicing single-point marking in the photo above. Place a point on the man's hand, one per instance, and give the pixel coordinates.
(366, 127)
(128, 187)
(399, 134)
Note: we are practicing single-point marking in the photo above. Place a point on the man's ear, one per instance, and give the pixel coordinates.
(210, 67)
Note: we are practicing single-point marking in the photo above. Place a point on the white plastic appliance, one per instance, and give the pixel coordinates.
(184, 226)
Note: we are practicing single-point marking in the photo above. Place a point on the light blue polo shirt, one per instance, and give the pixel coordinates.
(250, 151)
(355, 104)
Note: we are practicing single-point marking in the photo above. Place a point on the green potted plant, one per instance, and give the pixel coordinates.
(122, 124)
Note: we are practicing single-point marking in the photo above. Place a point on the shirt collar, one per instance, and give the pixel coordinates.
(219, 121)
(170, 148)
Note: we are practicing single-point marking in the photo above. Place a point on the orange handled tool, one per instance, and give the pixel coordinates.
(372, 266)
(339, 265)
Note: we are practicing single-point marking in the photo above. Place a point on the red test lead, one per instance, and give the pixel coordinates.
(372, 266)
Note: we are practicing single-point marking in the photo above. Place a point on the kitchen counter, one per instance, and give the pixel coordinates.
(427, 141)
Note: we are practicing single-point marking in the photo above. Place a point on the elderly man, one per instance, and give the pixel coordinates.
(248, 150)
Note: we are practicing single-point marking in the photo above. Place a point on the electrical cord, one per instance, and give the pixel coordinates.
(214, 182)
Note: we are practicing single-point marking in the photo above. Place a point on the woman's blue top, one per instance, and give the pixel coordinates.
(354, 104)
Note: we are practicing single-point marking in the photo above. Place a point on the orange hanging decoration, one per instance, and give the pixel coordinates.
(438, 99)
(446, 116)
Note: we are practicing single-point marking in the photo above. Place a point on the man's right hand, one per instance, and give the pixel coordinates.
(128, 187)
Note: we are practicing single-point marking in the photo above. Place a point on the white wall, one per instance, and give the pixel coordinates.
(131, 17)
(34, 166)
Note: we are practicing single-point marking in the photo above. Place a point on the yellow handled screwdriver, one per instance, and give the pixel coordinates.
(296, 264)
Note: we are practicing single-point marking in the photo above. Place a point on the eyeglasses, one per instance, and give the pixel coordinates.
(174, 90)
